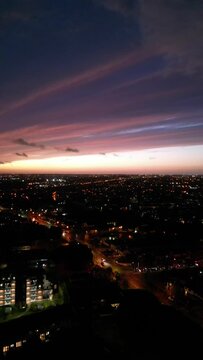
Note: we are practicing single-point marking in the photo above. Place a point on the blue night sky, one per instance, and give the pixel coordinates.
(101, 86)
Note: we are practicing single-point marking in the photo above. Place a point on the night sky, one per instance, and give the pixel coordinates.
(101, 86)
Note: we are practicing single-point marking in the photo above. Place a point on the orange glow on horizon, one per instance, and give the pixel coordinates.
(163, 160)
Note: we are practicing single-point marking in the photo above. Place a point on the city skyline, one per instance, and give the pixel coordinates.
(101, 87)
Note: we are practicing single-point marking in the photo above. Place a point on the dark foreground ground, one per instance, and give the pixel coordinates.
(140, 328)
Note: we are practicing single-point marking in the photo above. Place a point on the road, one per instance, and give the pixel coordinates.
(131, 279)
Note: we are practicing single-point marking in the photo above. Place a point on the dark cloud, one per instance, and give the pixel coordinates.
(13, 16)
(152, 158)
(126, 7)
(68, 149)
(116, 155)
(102, 153)
(23, 142)
(21, 154)
(5, 162)
(173, 27)
(176, 28)
(23, 11)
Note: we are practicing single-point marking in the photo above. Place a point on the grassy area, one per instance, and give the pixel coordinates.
(8, 313)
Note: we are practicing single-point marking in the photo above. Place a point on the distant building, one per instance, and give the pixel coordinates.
(21, 291)
(54, 195)
(7, 290)
(33, 291)
(38, 290)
